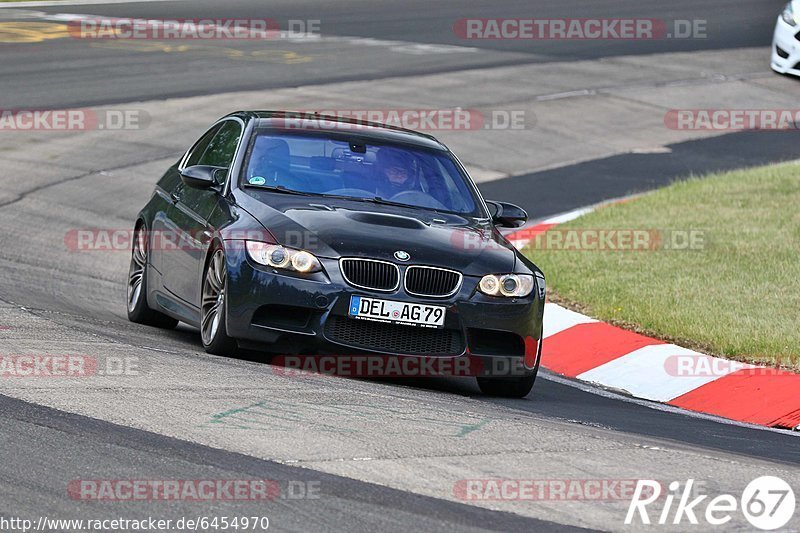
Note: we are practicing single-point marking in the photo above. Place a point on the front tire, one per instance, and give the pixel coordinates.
(138, 310)
(512, 387)
(212, 311)
(508, 387)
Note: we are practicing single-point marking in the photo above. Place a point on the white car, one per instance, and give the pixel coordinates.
(786, 42)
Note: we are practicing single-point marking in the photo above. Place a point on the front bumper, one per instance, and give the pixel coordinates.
(307, 315)
(786, 49)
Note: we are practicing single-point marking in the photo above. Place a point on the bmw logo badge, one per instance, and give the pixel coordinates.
(400, 255)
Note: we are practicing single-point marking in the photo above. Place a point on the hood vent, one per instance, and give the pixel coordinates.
(393, 221)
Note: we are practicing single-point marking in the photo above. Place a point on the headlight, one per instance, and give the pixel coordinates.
(277, 256)
(788, 15)
(509, 285)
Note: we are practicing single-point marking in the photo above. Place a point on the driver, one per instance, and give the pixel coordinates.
(270, 161)
(395, 173)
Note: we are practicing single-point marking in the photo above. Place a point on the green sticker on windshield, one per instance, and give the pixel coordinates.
(257, 180)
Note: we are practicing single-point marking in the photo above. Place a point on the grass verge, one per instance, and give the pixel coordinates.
(710, 263)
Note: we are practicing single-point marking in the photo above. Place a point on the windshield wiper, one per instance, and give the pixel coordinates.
(383, 201)
(373, 199)
(279, 188)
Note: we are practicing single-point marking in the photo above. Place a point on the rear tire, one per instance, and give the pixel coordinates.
(138, 310)
(212, 308)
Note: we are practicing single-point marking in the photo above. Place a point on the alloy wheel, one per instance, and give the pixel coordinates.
(137, 270)
(213, 298)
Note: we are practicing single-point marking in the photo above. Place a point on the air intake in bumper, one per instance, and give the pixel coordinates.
(393, 338)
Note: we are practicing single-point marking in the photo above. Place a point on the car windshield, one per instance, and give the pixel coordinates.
(321, 165)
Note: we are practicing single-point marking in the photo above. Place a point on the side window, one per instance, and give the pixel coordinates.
(221, 149)
(199, 148)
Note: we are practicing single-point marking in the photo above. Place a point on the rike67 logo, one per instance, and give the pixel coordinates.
(768, 503)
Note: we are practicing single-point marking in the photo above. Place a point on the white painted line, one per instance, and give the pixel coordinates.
(652, 150)
(652, 372)
(408, 47)
(557, 319)
(567, 94)
(519, 244)
(568, 216)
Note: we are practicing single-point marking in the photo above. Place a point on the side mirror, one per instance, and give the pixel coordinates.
(201, 176)
(507, 215)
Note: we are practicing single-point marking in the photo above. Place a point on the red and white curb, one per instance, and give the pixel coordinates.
(592, 351)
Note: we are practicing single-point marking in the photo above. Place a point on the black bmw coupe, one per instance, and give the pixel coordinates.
(325, 235)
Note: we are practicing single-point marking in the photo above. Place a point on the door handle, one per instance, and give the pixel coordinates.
(175, 197)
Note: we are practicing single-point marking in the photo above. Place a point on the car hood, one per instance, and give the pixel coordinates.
(342, 228)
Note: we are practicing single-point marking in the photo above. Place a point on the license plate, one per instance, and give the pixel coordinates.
(410, 314)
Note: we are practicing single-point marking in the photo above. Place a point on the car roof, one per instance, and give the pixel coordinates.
(310, 122)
